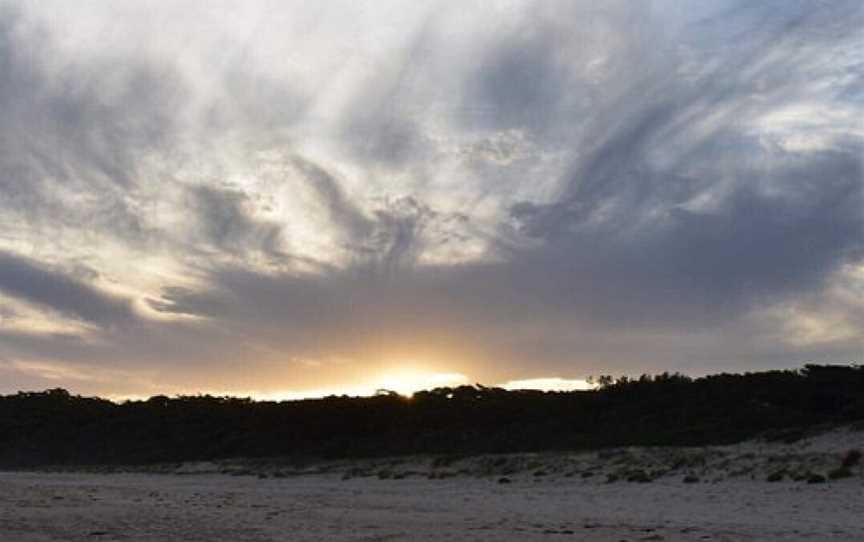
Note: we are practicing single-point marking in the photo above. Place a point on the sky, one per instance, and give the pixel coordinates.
(289, 198)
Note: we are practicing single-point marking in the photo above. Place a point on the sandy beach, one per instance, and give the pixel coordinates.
(542, 497)
(136, 507)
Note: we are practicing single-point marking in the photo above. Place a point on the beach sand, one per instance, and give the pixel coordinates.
(455, 499)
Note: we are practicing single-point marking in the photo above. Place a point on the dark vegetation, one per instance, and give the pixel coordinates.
(851, 458)
(54, 427)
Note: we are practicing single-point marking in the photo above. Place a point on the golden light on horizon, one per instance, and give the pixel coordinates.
(409, 381)
(548, 384)
(405, 380)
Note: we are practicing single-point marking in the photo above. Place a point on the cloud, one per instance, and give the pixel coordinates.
(298, 194)
(342, 213)
(35, 283)
(227, 223)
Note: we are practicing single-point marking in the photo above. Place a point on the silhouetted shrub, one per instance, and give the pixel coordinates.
(639, 476)
(851, 458)
(786, 436)
(839, 473)
(55, 427)
(776, 476)
(816, 479)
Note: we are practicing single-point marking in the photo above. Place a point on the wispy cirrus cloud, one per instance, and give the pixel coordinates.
(293, 196)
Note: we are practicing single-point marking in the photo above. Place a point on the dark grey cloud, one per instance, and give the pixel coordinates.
(77, 128)
(66, 120)
(380, 126)
(227, 222)
(388, 236)
(749, 248)
(26, 279)
(779, 222)
(340, 211)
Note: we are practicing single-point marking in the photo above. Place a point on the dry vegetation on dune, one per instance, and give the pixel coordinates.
(822, 456)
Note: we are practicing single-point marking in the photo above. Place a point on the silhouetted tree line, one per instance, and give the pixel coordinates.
(54, 427)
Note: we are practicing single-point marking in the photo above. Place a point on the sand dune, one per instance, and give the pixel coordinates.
(516, 497)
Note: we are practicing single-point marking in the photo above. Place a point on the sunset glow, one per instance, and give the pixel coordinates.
(344, 196)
